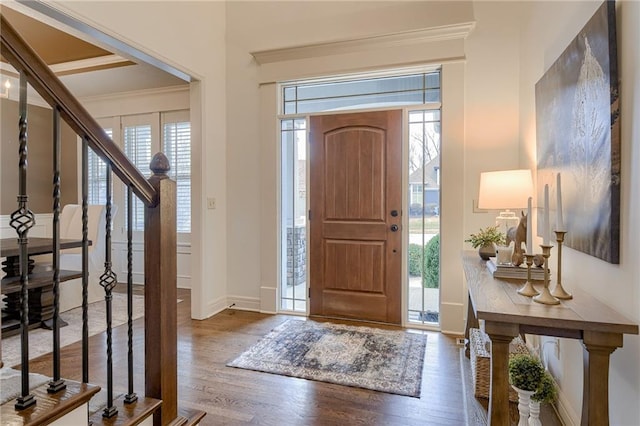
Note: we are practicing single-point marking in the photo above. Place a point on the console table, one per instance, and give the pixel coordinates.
(40, 283)
(507, 314)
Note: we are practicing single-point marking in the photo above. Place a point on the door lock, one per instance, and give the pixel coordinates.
(394, 228)
(394, 213)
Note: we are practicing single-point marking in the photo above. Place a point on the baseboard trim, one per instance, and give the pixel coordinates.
(243, 303)
(216, 306)
(564, 409)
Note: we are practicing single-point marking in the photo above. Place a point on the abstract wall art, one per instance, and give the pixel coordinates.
(578, 135)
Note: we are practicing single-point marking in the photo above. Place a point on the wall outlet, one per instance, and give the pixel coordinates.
(556, 348)
(211, 203)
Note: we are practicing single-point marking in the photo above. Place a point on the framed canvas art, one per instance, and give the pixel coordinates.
(578, 135)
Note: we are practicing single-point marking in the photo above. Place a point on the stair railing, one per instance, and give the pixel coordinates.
(159, 196)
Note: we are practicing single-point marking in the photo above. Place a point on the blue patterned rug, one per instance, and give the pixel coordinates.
(382, 360)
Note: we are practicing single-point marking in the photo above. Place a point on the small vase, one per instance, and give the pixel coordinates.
(534, 413)
(524, 397)
(487, 251)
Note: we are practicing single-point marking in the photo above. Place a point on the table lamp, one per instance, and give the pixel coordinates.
(504, 190)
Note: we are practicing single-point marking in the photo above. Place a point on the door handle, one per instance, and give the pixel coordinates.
(394, 228)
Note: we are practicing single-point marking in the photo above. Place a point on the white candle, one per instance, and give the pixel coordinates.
(545, 218)
(559, 221)
(529, 228)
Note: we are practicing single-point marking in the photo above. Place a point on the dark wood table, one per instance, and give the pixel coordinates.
(40, 283)
(507, 314)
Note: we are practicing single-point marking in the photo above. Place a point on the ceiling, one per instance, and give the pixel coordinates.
(85, 68)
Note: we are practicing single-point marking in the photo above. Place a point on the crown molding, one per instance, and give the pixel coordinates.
(137, 93)
(447, 32)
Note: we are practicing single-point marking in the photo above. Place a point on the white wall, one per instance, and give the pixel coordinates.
(487, 140)
(491, 99)
(252, 149)
(190, 36)
(548, 29)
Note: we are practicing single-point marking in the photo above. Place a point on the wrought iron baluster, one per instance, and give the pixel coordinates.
(85, 260)
(131, 397)
(108, 281)
(56, 384)
(22, 220)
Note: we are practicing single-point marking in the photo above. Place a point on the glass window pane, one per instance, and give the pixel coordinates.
(364, 101)
(293, 207)
(290, 93)
(433, 80)
(364, 93)
(359, 87)
(424, 216)
(290, 107)
(432, 95)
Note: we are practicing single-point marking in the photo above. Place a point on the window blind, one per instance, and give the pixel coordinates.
(176, 145)
(137, 147)
(97, 176)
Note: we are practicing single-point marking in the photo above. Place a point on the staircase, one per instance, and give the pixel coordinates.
(66, 402)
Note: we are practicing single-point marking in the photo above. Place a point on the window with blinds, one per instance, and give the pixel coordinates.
(176, 145)
(97, 176)
(137, 147)
(141, 136)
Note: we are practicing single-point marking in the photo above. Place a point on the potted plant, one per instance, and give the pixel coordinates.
(485, 239)
(546, 392)
(525, 375)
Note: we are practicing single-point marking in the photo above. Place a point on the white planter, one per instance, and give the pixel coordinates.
(534, 413)
(524, 398)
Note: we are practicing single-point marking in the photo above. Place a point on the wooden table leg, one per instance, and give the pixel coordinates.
(501, 335)
(595, 395)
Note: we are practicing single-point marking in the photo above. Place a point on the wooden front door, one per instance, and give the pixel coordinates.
(355, 240)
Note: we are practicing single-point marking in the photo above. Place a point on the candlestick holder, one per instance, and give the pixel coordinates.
(559, 292)
(528, 289)
(545, 297)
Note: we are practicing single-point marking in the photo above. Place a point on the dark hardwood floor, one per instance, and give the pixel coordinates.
(234, 396)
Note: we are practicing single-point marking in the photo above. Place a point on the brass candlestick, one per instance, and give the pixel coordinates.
(545, 297)
(528, 289)
(558, 291)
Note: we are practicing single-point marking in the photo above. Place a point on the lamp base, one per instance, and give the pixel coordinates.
(507, 220)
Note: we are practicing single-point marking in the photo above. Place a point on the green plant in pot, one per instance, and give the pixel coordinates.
(485, 241)
(525, 372)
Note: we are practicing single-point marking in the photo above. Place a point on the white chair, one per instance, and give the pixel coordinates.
(71, 259)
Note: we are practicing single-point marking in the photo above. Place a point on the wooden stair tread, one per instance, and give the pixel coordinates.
(128, 414)
(37, 279)
(49, 407)
(193, 417)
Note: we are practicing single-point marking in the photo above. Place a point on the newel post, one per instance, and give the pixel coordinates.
(160, 307)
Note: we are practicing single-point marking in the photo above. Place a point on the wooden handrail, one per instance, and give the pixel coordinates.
(15, 50)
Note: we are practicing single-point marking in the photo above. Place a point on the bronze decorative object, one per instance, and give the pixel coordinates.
(528, 289)
(559, 292)
(545, 297)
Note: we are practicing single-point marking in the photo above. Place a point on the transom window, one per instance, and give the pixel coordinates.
(308, 97)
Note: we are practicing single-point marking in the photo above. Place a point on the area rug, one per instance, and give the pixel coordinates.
(41, 340)
(382, 360)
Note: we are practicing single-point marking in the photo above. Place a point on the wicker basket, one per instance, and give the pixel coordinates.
(479, 344)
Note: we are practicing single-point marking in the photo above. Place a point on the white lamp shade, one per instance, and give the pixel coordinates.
(505, 189)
